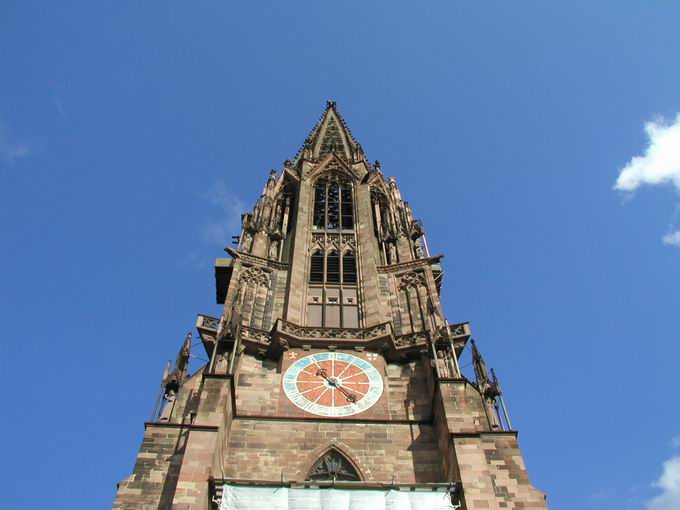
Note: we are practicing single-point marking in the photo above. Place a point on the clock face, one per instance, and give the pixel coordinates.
(332, 384)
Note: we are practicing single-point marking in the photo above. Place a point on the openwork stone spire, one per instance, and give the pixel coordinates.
(331, 135)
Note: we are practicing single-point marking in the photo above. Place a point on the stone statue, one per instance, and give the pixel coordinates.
(278, 218)
(492, 413)
(169, 405)
(391, 253)
(274, 249)
(222, 363)
(444, 371)
(418, 249)
(247, 241)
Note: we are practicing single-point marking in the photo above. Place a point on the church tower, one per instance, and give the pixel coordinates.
(333, 378)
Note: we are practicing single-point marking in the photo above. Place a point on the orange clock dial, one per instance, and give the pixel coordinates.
(332, 384)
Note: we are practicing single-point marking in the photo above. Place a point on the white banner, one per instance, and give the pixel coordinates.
(241, 497)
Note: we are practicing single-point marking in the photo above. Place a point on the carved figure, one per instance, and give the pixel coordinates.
(443, 365)
(247, 241)
(492, 413)
(168, 406)
(278, 215)
(274, 249)
(418, 249)
(392, 253)
(222, 363)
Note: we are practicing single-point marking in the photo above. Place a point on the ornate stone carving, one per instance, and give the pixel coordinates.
(412, 280)
(416, 229)
(457, 330)
(420, 337)
(332, 333)
(340, 242)
(418, 249)
(209, 323)
(255, 334)
(256, 275)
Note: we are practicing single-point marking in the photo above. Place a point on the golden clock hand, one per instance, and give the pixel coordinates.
(334, 382)
(349, 396)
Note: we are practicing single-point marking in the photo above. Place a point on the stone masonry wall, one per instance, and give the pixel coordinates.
(270, 449)
(493, 473)
(153, 478)
(258, 387)
(463, 407)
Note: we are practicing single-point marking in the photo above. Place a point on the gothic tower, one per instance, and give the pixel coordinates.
(333, 378)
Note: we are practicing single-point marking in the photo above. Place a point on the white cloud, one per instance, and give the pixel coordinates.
(219, 231)
(672, 238)
(659, 165)
(669, 483)
(661, 162)
(12, 149)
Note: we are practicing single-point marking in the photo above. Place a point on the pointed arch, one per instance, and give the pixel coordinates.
(334, 465)
(316, 269)
(349, 267)
(333, 202)
(332, 164)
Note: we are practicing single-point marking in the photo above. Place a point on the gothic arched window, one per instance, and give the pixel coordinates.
(333, 203)
(333, 267)
(349, 268)
(316, 267)
(333, 290)
(333, 466)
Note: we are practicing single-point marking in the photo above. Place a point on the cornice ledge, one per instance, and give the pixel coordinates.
(254, 259)
(395, 268)
(463, 435)
(187, 426)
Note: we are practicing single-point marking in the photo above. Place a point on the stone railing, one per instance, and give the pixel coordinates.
(333, 333)
(205, 322)
(417, 338)
(459, 331)
(255, 334)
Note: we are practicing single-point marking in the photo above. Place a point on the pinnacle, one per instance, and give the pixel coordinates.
(330, 134)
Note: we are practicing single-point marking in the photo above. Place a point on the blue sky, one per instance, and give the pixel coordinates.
(133, 134)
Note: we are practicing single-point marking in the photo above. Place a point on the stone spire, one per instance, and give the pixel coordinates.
(487, 387)
(481, 373)
(180, 373)
(331, 135)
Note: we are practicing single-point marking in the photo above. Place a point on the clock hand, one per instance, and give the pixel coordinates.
(334, 382)
(349, 396)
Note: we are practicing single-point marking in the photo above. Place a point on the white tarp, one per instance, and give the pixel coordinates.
(235, 497)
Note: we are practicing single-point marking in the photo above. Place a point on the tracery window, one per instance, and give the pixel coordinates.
(333, 203)
(333, 292)
(333, 466)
